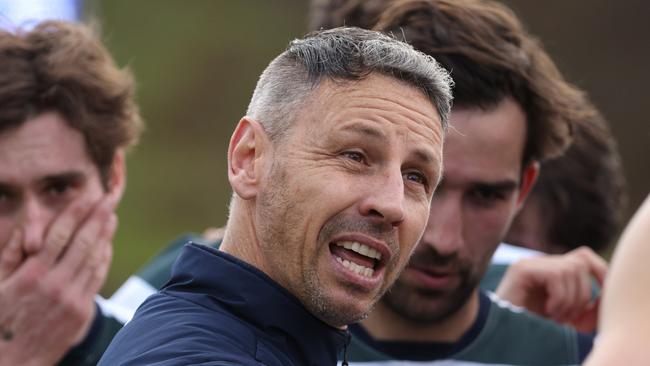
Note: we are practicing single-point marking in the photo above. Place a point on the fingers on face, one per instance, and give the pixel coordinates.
(62, 229)
(12, 254)
(71, 221)
(87, 243)
(94, 270)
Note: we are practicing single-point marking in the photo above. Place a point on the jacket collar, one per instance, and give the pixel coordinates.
(250, 294)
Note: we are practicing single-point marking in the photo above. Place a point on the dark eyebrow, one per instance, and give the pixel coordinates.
(501, 186)
(70, 177)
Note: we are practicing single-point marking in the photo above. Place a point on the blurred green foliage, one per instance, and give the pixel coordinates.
(196, 64)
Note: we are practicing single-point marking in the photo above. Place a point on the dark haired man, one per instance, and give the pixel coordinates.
(512, 109)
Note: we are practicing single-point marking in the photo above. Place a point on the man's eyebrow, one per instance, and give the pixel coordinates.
(366, 131)
(72, 176)
(502, 186)
(421, 154)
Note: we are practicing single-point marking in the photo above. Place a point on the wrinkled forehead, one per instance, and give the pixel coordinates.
(380, 110)
(391, 94)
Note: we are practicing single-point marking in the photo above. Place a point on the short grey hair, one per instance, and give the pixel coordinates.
(340, 54)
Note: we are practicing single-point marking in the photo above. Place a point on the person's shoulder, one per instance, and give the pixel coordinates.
(514, 336)
(192, 320)
(168, 330)
(157, 270)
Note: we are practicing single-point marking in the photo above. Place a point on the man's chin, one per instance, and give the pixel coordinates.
(426, 308)
(340, 312)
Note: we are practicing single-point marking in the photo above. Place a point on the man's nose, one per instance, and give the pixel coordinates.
(444, 231)
(34, 220)
(385, 198)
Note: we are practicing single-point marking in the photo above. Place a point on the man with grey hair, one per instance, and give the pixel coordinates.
(333, 170)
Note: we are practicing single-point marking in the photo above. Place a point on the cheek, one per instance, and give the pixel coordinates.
(482, 233)
(411, 233)
(487, 227)
(328, 196)
(476, 265)
(91, 192)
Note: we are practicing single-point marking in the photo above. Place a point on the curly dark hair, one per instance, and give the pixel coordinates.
(581, 194)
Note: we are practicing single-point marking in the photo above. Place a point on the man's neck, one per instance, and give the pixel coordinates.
(240, 239)
(385, 324)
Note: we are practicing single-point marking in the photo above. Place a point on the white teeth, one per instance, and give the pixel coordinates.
(361, 249)
(369, 272)
(364, 271)
(365, 251)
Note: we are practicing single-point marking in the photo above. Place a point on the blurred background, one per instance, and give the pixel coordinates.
(196, 63)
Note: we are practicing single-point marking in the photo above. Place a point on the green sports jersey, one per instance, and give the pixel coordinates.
(502, 335)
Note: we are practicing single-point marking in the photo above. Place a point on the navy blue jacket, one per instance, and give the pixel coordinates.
(218, 310)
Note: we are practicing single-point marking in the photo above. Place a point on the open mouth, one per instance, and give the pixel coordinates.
(357, 257)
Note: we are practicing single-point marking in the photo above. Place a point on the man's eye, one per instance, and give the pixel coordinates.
(416, 177)
(354, 155)
(57, 189)
(4, 198)
(8, 201)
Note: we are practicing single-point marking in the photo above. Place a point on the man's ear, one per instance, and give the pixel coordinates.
(249, 144)
(528, 179)
(117, 176)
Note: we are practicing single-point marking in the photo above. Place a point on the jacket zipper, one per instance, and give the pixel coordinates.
(345, 348)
